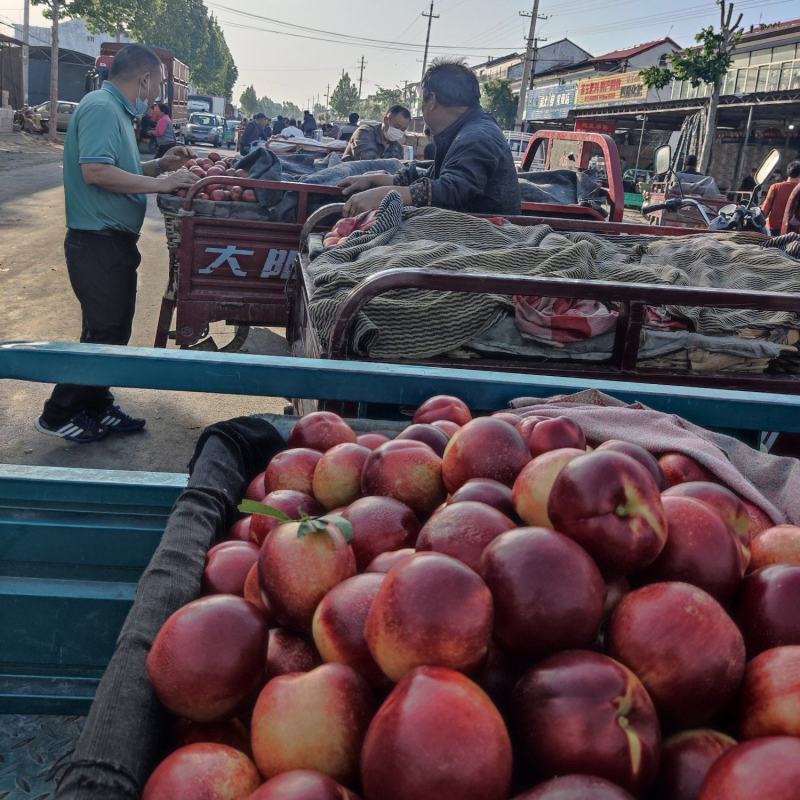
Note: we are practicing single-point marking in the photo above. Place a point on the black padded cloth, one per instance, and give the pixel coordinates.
(124, 733)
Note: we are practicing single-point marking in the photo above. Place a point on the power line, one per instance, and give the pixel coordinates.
(439, 48)
(350, 37)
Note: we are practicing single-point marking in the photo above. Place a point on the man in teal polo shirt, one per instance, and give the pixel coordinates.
(105, 187)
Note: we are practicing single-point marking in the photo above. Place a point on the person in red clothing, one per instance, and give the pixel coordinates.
(778, 196)
(164, 132)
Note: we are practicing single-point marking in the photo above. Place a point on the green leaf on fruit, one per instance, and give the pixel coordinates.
(344, 526)
(253, 507)
(320, 525)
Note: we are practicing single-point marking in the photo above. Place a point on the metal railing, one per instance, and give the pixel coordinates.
(773, 77)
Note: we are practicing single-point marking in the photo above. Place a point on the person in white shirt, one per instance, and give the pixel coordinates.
(291, 131)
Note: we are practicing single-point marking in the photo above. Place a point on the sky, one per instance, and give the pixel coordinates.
(286, 58)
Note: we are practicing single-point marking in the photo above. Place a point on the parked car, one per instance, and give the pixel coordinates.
(230, 136)
(203, 128)
(64, 114)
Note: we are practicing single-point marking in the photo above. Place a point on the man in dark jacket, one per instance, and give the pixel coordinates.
(258, 129)
(473, 170)
(309, 124)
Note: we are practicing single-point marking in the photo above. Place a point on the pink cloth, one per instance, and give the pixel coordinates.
(163, 123)
(770, 482)
(560, 321)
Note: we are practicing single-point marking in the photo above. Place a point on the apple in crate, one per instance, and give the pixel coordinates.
(764, 769)
(484, 448)
(408, 471)
(292, 503)
(431, 609)
(321, 430)
(485, 490)
(778, 545)
(437, 735)
(337, 478)
(583, 712)
(380, 525)
(576, 787)
(770, 704)
(288, 651)
(385, 561)
(372, 440)
(701, 549)
(548, 593)
(680, 468)
(302, 784)
(637, 453)
(299, 563)
(768, 608)
(226, 569)
(683, 646)
(202, 681)
(312, 720)
(292, 469)
(610, 505)
(544, 435)
(443, 407)
(463, 530)
(531, 491)
(338, 625)
(686, 759)
(207, 770)
(434, 437)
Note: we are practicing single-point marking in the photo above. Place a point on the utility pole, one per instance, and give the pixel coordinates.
(328, 97)
(53, 132)
(26, 32)
(431, 16)
(360, 77)
(530, 60)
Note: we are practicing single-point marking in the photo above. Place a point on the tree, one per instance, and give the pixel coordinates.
(376, 105)
(708, 63)
(248, 101)
(498, 99)
(344, 99)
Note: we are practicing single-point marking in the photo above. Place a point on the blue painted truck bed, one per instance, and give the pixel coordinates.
(74, 542)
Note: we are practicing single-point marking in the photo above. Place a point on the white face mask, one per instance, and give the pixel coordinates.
(393, 134)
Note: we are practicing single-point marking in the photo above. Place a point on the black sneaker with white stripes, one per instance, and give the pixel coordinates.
(82, 428)
(117, 421)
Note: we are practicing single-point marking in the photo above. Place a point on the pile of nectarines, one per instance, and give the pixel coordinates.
(481, 609)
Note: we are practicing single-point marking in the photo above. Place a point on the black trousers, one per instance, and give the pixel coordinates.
(102, 270)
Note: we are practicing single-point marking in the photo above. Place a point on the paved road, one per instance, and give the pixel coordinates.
(37, 303)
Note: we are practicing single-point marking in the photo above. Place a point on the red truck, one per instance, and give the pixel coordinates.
(174, 78)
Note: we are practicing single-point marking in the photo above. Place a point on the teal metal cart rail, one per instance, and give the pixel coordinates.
(74, 542)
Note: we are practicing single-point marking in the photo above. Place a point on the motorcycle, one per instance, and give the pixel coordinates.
(734, 217)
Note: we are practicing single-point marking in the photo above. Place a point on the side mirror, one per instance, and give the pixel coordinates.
(768, 166)
(663, 159)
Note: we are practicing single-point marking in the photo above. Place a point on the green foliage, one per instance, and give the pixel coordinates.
(376, 105)
(307, 525)
(498, 99)
(344, 99)
(707, 63)
(183, 26)
(248, 101)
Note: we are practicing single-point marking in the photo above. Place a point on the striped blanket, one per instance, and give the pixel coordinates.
(409, 324)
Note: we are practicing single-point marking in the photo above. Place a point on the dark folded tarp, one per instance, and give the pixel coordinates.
(125, 731)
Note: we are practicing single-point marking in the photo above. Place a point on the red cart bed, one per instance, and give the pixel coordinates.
(229, 269)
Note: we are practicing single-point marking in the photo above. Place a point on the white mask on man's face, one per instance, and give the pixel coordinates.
(393, 134)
